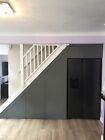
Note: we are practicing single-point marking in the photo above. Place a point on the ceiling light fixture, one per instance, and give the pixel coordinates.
(6, 8)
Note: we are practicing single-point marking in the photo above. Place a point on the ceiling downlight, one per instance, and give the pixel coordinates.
(6, 9)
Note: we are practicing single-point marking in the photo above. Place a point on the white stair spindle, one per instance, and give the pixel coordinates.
(52, 48)
(22, 64)
(30, 63)
(26, 67)
(48, 50)
(45, 52)
(34, 57)
(41, 53)
(37, 55)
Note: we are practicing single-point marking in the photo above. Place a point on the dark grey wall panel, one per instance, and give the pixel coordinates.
(35, 99)
(56, 89)
(3, 114)
(85, 51)
(46, 96)
(17, 108)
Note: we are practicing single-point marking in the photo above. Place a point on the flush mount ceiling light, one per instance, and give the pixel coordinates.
(6, 8)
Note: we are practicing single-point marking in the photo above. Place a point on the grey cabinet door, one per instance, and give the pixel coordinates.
(91, 88)
(84, 88)
(75, 97)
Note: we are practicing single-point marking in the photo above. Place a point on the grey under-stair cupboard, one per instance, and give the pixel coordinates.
(84, 88)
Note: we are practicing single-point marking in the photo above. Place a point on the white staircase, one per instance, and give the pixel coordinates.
(33, 63)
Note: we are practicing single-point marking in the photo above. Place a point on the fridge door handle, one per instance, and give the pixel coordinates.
(74, 83)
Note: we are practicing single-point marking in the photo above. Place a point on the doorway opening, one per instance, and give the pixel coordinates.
(3, 73)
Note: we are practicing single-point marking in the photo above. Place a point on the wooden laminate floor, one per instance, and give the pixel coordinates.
(49, 129)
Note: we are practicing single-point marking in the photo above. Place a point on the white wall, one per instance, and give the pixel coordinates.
(14, 69)
(4, 49)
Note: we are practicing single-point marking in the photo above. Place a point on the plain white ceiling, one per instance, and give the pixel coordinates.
(55, 17)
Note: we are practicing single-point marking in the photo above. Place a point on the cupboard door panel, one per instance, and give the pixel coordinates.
(91, 88)
(84, 87)
(74, 88)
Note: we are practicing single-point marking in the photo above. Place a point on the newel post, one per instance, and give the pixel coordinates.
(22, 65)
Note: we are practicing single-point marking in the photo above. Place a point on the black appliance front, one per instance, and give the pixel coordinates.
(84, 88)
